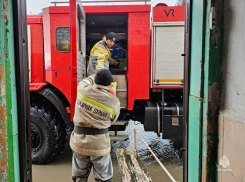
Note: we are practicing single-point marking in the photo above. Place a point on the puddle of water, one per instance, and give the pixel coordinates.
(165, 150)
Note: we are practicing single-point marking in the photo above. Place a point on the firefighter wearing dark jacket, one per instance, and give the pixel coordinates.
(100, 57)
(95, 110)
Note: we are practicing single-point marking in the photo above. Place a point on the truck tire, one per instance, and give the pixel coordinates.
(48, 134)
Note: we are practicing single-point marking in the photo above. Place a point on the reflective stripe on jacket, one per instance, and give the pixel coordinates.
(95, 107)
(99, 57)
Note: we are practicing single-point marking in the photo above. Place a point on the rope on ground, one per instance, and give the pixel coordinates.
(159, 162)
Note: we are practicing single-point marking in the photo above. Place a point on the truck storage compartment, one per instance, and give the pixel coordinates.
(167, 47)
(132, 23)
(98, 26)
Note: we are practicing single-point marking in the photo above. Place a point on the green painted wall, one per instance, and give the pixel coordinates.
(9, 157)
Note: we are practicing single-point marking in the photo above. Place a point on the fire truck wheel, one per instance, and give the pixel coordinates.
(48, 134)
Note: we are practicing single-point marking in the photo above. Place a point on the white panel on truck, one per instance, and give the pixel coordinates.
(168, 62)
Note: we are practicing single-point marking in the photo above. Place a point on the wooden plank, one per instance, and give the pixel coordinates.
(118, 137)
(131, 167)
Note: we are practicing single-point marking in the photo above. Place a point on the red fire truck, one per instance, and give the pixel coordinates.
(149, 88)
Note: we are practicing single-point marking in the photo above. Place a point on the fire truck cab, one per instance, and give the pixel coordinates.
(149, 86)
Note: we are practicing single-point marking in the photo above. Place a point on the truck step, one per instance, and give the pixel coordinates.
(120, 123)
(118, 137)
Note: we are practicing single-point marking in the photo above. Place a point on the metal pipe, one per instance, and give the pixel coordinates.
(135, 139)
(162, 109)
(158, 120)
(159, 162)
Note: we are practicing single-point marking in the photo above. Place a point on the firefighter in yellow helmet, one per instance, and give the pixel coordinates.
(100, 54)
(95, 110)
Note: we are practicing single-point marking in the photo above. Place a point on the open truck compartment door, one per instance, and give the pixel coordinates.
(77, 47)
(81, 43)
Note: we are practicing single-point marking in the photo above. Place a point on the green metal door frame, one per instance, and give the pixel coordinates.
(9, 149)
(15, 158)
(23, 92)
(188, 9)
(204, 88)
(195, 89)
(212, 88)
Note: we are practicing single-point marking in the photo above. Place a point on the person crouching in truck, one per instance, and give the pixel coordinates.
(100, 54)
(95, 110)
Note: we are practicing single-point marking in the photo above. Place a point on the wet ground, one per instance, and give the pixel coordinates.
(166, 150)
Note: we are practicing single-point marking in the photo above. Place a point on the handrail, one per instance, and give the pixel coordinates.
(159, 162)
(102, 1)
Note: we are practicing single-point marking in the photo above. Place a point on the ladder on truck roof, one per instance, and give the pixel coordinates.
(102, 1)
(130, 165)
